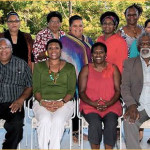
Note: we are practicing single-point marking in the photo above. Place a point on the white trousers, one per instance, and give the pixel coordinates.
(51, 124)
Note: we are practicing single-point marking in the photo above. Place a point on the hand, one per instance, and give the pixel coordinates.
(99, 106)
(16, 105)
(132, 113)
(52, 105)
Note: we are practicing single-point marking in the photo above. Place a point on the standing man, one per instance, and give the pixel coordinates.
(135, 91)
(15, 87)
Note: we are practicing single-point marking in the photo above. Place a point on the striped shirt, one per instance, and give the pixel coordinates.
(15, 76)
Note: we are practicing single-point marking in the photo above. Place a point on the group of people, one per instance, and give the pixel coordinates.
(58, 67)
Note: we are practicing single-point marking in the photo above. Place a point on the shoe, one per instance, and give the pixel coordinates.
(148, 141)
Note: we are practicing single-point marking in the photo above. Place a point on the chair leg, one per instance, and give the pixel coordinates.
(120, 134)
(79, 134)
(18, 146)
(82, 134)
(31, 138)
(26, 129)
(70, 122)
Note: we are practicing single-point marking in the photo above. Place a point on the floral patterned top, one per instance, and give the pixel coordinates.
(41, 40)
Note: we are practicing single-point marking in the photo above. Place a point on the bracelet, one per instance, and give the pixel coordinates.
(63, 101)
(40, 102)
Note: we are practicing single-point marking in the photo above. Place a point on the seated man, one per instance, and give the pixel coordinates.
(135, 90)
(15, 87)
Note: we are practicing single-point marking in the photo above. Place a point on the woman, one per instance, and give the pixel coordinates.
(52, 31)
(131, 30)
(78, 53)
(116, 45)
(21, 42)
(133, 49)
(54, 83)
(99, 90)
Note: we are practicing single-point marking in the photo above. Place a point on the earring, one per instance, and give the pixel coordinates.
(92, 59)
(46, 53)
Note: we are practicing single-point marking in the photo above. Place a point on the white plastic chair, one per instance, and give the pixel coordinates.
(34, 123)
(84, 125)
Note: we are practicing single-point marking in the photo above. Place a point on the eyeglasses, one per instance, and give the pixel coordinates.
(145, 44)
(108, 24)
(5, 48)
(13, 21)
(54, 22)
(132, 15)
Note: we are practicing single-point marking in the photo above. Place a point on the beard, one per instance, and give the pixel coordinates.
(145, 52)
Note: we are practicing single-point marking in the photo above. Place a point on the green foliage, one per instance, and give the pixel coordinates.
(33, 13)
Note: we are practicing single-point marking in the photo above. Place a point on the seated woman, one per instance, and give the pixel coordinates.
(99, 90)
(54, 83)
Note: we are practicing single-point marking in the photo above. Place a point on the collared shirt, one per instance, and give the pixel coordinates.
(41, 40)
(145, 94)
(15, 76)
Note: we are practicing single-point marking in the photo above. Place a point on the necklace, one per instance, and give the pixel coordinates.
(134, 31)
(56, 74)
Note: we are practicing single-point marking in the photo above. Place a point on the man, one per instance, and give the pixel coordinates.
(52, 31)
(77, 51)
(15, 87)
(135, 91)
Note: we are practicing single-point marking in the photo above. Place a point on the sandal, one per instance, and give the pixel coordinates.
(75, 136)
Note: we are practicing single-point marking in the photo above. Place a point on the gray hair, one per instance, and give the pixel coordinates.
(7, 42)
(139, 39)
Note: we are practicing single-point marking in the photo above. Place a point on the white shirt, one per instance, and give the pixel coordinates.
(145, 94)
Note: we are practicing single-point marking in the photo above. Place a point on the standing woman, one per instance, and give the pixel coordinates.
(116, 45)
(133, 49)
(99, 90)
(21, 42)
(131, 30)
(54, 82)
(52, 31)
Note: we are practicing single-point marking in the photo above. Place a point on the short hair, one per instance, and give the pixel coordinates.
(10, 14)
(98, 44)
(55, 41)
(139, 39)
(7, 42)
(137, 7)
(54, 14)
(110, 14)
(146, 23)
(73, 18)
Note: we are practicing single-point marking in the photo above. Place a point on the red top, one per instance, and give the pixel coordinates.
(100, 85)
(117, 50)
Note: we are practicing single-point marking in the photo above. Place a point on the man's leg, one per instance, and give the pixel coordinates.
(132, 131)
(13, 126)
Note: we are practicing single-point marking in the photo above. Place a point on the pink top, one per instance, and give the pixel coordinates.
(117, 50)
(100, 85)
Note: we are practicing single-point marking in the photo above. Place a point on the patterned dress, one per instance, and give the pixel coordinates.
(41, 40)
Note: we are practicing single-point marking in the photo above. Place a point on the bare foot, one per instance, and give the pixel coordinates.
(85, 137)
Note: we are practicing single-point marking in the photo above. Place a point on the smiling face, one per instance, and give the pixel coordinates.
(132, 16)
(99, 55)
(144, 47)
(76, 28)
(147, 28)
(5, 52)
(13, 23)
(108, 26)
(54, 24)
(54, 51)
